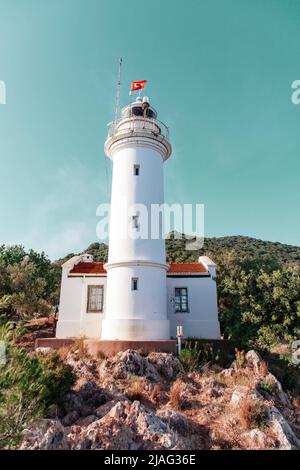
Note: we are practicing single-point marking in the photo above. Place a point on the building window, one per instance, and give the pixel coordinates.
(136, 170)
(181, 299)
(95, 299)
(134, 283)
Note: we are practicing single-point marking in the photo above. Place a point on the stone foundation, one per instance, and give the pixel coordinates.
(111, 347)
(98, 347)
(54, 343)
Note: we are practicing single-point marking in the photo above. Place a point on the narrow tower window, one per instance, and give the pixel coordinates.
(136, 170)
(135, 221)
(134, 283)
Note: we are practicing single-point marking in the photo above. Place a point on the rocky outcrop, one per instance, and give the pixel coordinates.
(287, 439)
(131, 402)
(45, 434)
(165, 364)
(154, 367)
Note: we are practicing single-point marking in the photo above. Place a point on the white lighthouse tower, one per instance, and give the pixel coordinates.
(136, 298)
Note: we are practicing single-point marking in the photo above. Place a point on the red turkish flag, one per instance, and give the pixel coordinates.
(138, 85)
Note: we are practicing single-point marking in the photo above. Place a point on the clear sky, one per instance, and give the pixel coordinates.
(219, 72)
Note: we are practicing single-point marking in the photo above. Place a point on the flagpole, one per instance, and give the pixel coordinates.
(118, 89)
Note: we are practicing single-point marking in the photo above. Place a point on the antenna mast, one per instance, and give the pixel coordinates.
(118, 90)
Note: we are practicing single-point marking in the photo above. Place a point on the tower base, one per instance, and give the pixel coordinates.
(97, 348)
(133, 329)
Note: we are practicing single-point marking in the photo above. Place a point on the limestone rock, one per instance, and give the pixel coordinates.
(166, 364)
(238, 395)
(73, 402)
(43, 350)
(86, 421)
(84, 368)
(126, 363)
(104, 409)
(257, 437)
(85, 400)
(70, 418)
(175, 420)
(91, 395)
(45, 434)
(106, 434)
(227, 372)
(254, 361)
(278, 390)
(280, 427)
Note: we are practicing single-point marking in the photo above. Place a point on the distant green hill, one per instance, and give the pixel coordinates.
(244, 247)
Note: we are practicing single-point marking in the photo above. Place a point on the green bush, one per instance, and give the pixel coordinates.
(29, 384)
(266, 387)
(289, 374)
(190, 359)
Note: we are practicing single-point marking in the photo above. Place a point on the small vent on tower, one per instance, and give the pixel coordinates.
(136, 170)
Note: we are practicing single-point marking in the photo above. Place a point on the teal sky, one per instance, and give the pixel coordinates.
(219, 72)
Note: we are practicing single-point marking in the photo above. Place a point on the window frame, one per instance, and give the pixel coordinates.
(187, 310)
(89, 289)
(136, 170)
(133, 280)
(135, 221)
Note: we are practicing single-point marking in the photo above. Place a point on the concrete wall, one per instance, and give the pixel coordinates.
(74, 321)
(202, 319)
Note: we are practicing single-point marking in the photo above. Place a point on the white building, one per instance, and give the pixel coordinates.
(137, 295)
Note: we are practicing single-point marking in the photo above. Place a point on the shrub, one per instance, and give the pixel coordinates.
(289, 373)
(190, 359)
(266, 387)
(29, 384)
(240, 358)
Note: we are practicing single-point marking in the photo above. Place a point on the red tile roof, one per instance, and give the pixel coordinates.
(97, 268)
(88, 268)
(186, 268)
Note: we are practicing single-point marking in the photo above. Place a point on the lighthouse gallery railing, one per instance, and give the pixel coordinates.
(134, 123)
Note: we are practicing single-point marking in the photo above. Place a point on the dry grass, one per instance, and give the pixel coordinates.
(252, 413)
(63, 353)
(263, 369)
(296, 402)
(240, 358)
(155, 393)
(78, 348)
(239, 378)
(136, 389)
(101, 355)
(176, 395)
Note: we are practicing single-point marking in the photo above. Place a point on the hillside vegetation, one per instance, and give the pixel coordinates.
(243, 247)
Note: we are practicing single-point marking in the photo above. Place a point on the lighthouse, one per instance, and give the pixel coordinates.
(136, 307)
(136, 299)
